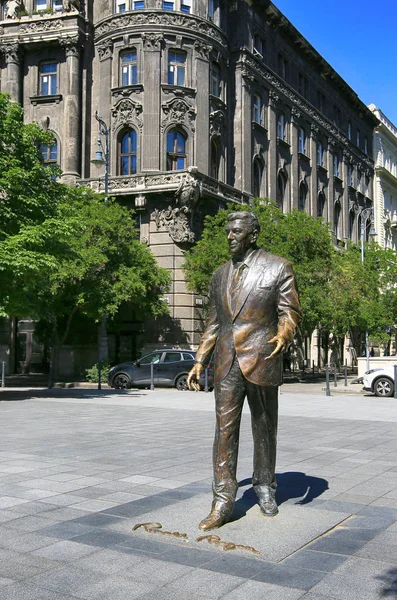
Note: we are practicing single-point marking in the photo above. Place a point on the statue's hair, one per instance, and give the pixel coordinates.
(248, 217)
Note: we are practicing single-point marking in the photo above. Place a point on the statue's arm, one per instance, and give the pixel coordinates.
(289, 310)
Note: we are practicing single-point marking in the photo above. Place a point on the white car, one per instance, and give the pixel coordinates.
(380, 381)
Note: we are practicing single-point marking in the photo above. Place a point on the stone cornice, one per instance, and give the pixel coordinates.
(385, 174)
(39, 29)
(155, 19)
(264, 74)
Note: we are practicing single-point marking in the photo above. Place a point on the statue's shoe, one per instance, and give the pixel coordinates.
(268, 506)
(218, 516)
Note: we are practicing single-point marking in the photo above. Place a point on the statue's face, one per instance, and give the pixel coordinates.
(240, 238)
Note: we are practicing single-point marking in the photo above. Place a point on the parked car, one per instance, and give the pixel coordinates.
(380, 381)
(170, 369)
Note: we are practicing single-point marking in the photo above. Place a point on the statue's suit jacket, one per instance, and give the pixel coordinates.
(268, 304)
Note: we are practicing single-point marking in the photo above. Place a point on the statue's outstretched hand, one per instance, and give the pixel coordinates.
(194, 377)
(281, 346)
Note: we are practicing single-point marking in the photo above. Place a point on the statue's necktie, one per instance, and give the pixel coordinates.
(236, 283)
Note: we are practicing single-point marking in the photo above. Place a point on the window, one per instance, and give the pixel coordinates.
(258, 44)
(139, 5)
(366, 145)
(281, 126)
(121, 6)
(127, 153)
(211, 8)
(283, 67)
(337, 211)
(186, 6)
(350, 175)
(351, 223)
(320, 154)
(169, 5)
(349, 130)
(151, 358)
(336, 165)
(359, 181)
(258, 173)
(337, 116)
(57, 5)
(128, 67)
(303, 85)
(216, 88)
(281, 189)
(215, 159)
(172, 357)
(48, 79)
(302, 141)
(257, 109)
(302, 197)
(187, 356)
(320, 204)
(176, 67)
(49, 153)
(321, 102)
(176, 150)
(358, 138)
(41, 4)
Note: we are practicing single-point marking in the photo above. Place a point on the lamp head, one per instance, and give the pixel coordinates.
(98, 160)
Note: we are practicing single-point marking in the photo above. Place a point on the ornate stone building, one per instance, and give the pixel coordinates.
(206, 101)
(385, 185)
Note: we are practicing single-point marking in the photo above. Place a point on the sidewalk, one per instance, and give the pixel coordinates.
(80, 468)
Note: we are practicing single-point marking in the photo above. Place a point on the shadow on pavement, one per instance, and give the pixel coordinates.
(28, 394)
(389, 579)
(289, 485)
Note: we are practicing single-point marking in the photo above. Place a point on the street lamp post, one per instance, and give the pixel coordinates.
(102, 159)
(366, 213)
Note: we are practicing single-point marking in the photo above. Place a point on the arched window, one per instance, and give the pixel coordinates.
(281, 188)
(337, 211)
(320, 204)
(320, 154)
(128, 67)
(257, 109)
(336, 165)
(216, 87)
(302, 196)
(352, 217)
(176, 67)
(302, 140)
(257, 178)
(176, 150)
(215, 159)
(49, 153)
(127, 153)
(281, 126)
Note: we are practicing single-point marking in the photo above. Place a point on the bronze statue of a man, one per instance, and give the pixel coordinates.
(254, 310)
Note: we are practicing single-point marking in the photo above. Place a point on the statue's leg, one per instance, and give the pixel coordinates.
(263, 402)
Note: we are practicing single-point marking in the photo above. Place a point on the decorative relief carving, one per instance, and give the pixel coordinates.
(105, 50)
(353, 206)
(177, 111)
(127, 112)
(12, 53)
(332, 144)
(191, 23)
(13, 9)
(179, 220)
(314, 130)
(69, 5)
(273, 99)
(295, 115)
(217, 123)
(39, 26)
(152, 42)
(248, 78)
(71, 45)
(203, 50)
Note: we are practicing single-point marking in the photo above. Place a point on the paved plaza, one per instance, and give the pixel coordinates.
(79, 469)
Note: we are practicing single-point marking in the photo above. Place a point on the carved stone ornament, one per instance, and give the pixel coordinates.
(13, 9)
(273, 99)
(42, 25)
(203, 50)
(178, 112)
(71, 45)
(69, 5)
(152, 42)
(295, 115)
(191, 23)
(353, 206)
(332, 144)
(217, 123)
(248, 77)
(127, 113)
(12, 53)
(105, 50)
(179, 220)
(314, 130)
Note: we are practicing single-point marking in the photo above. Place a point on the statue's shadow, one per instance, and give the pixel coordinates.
(304, 488)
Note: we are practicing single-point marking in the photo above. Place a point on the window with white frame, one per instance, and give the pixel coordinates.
(257, 109)
(258, 44)
(350, 175)
(358, 138)
(336, 165)
(349, 130)
(176, 67)
(182, 5)
(281, 126)
(302, 140)
(126, 5)
(366, 145)
(359, 180)
(48, 84)
(57, 5)
(320, 154)
(49, 153)
(41, 5)
(216, 85)
(176, 150)
(128, 67)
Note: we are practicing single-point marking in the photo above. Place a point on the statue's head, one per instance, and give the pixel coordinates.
(242, 233)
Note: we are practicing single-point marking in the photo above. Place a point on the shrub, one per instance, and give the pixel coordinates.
(92, 373)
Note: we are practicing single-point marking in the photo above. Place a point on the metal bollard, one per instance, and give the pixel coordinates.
(313, 367)
(99, 375)
(345, 373)
(151, 376)
(395, 381)
(3, 374)
(327, 388)
(335, 377)
(206, 380)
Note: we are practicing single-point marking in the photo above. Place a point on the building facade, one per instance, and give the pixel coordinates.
(385, 182)
(206, 102)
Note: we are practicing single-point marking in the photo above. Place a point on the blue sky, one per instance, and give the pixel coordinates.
(359, 40)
